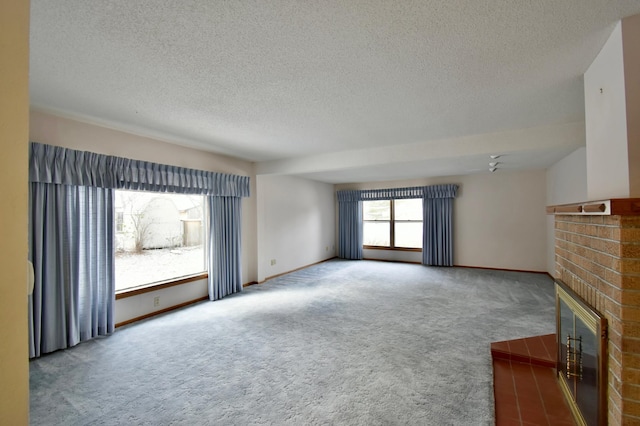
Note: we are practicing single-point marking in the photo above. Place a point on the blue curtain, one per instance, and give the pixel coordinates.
(437, 237)
(437, 233)
(71, 236)
(350, 230)
(392, 193)
(54, 164)
(349, 226)
(225, 272)
(71, 248)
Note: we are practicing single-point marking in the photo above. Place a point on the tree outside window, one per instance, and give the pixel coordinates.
(159, 237)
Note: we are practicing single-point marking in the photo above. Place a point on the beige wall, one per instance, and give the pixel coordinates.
(499, 219)
(55, 130)
(14, 119)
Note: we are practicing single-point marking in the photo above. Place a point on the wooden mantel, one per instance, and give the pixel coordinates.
(612, 207)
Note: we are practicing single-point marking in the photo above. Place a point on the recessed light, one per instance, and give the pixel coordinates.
(494, 156)
(493, 164)
(493, 169)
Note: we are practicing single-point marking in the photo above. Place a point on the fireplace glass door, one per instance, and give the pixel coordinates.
(581, 371)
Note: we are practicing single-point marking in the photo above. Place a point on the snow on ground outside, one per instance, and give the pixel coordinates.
(133, 269)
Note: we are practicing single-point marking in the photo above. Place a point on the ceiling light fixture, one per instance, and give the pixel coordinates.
(493, 164)
(493, 169)
(494, 156)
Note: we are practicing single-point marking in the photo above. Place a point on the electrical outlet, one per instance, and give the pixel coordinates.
(273, 262)
(156, 301)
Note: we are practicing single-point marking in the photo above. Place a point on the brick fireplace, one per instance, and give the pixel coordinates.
(597, 252)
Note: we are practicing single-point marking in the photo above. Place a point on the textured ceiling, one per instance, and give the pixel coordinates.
(274, 80)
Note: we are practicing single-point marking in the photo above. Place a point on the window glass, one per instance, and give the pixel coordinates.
(408, 209)
(376, 234)
(408, 234)
(376, 210)
(119, 221)
(392, 223)
(159, 237)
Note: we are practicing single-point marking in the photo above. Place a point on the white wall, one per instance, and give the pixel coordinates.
(393, 255)
(499, 219)
(54, 130)
(567, 179)
(143, 304)
(296, 223)
(566, 184)
(606, 122)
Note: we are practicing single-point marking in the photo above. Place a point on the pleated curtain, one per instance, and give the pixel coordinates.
(71, 248)
(54, 164)
(437, 212)
(437, 236)
(71, 236)
(225, 276)
(350, 229)
(437, 233)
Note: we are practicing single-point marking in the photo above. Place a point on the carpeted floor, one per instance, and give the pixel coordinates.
(341, 343)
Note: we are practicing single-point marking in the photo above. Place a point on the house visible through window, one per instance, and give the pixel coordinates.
(393, 224)
(159, 237)
(119, 221)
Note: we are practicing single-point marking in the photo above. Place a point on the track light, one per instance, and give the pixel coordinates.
(493, 164)
(494, 156)
(493, 169)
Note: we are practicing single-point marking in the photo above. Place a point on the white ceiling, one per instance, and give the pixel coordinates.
(336, 90)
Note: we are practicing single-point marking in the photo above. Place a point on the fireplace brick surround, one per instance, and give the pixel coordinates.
(598, 257)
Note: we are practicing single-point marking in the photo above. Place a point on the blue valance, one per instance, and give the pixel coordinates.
(433, 191)
(54, 164)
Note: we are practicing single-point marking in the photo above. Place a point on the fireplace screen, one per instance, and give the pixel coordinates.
(581, 333)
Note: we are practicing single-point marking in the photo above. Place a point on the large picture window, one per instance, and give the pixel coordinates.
(159, 237)
(393, 224)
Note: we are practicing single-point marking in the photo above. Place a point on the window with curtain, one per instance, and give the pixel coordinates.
(401, 224)
(73, 220)
(393, 224)
(160, 237)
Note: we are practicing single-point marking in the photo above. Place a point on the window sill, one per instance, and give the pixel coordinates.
(129, 292)
(391, 248)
